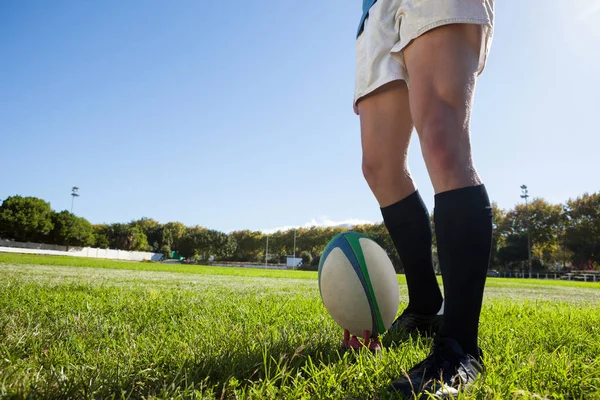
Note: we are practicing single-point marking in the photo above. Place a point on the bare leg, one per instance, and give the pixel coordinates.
(386, 127)
(442, 65)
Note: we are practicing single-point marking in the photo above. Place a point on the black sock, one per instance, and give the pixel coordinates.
(463, 225)
(409, 226)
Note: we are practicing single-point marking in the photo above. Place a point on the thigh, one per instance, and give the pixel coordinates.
(442, 65)
(443, 46)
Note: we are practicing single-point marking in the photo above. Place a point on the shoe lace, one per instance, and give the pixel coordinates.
(440, 357)
(401, 319)
(406, 319)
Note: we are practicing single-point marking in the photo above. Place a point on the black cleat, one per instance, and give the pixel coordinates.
(447, 371)
(409, 322)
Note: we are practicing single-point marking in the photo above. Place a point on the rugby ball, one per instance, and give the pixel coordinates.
(358, 284)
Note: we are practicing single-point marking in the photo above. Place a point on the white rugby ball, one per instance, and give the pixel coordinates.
(358, 284)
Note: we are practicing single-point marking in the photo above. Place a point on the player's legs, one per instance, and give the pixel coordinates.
(443, 65)
(386, 128)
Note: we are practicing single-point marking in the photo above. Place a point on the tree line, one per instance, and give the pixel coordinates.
(561, 235)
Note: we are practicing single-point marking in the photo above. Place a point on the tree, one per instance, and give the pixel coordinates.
(202, 243)
(545, 221)
(25, 219)
(222, 246)
(498, 233)
(514, 250)
(137, 238)
(71, 230)
(306, 258)
(127, 237)
(194, 242)
(171, 235)
(582, 233)
(153, 231)
(249, 245)
(280, 245)
(101, 236)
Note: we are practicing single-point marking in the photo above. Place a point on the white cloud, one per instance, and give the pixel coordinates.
(323, 221)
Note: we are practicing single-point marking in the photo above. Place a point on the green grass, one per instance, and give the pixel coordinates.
(14, 258)
(36, 259)
(108, 331)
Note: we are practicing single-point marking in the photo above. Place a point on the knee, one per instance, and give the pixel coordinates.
(381, 172)
(373, 170)
(445, 142)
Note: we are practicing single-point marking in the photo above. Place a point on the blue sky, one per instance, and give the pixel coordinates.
(237, 114)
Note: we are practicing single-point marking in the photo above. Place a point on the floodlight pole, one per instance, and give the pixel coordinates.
(525, 196)
(74, 194)
(267, 252)
(294, 245)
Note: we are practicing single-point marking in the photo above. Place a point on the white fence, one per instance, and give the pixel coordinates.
(10, 246)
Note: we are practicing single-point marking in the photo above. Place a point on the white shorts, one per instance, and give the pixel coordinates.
(393, 24)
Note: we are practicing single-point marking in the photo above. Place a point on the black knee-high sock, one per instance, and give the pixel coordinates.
(409, 226)
(463, 225)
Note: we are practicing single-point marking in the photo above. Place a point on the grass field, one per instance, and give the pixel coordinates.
(73, 327)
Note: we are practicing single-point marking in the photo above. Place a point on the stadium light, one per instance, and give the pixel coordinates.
(525, 195)
(74, 194)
